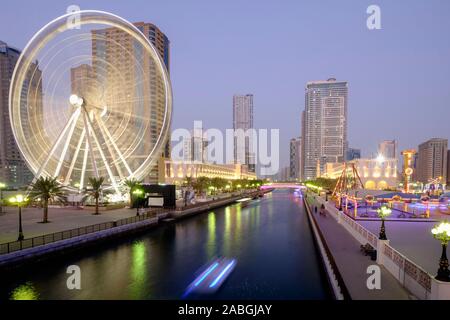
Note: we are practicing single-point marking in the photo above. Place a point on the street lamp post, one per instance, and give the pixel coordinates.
(2, 186)
(383, 212)
(19, 200)
(441, 232)
(137, 193)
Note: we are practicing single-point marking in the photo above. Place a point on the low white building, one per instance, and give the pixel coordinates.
(375, 174)
(175, 172)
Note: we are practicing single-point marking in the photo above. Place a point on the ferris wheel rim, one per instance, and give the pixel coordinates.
(22, 66)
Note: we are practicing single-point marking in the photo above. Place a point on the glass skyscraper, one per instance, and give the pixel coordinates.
(243, 119)
(113, 50)
(325, 125)
(13, 170)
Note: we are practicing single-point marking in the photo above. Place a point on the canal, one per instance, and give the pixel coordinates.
(270, 238)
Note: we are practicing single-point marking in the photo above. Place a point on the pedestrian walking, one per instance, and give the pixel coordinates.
(322, 211)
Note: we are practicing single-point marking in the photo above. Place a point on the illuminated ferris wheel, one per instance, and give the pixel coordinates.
(90, 99)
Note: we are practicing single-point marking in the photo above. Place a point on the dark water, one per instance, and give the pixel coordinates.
(270, 238)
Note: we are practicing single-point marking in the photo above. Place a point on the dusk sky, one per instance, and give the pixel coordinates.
(399, 76)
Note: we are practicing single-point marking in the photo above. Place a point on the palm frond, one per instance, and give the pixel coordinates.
(47, 189)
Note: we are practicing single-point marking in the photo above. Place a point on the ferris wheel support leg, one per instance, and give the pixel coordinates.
(108, 134)
(116, 164)
(102, 155)
(91, 146)
(66, 145)
(83, 169)
(55, 145)
(75, 156)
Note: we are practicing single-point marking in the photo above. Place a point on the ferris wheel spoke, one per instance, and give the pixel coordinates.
(108, 134)
(90, 145)
(66, 145)
(124, 114)
(55, 145)
(75, 156)
(102, 155)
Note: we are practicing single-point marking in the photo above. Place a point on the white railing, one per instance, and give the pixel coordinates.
(410, 275)
(356, 230)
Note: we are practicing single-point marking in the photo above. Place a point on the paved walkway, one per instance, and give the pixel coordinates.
(352, 264)
(60, 219)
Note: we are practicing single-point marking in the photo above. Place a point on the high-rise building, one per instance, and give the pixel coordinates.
(82, 79)
(162, 45)
(325, 125)
(243, 119)
(13, 170)
(302, 145)
(283, 174)
(195, 148)
(388, 149)
(294, 157)
(432, 160)
(353, 154)
(112, 51)
(415, 165)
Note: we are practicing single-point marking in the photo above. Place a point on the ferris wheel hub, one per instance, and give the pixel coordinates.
(76, 101)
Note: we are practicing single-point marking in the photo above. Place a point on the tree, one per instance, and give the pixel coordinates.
(218, 183)
(237, 184)
(96, 190)
(131, 185)
(201, 183)
(326, 183)
(47, 189)
(189, 181)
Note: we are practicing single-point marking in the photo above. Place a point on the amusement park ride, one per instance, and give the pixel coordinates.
(348, 180)
(408, 156)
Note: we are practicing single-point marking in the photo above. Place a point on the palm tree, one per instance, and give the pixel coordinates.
(189, 181)
(47, 189)
(132, 184)
(201, 184)
(218, 183)
(96, 190)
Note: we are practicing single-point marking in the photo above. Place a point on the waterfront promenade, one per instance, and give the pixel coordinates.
(408, 255)
(60, 219)
(412, 238)
(352, 264)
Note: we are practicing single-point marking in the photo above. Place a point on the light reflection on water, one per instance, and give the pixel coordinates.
(138, 267)
(211, 244)
(25, 292)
